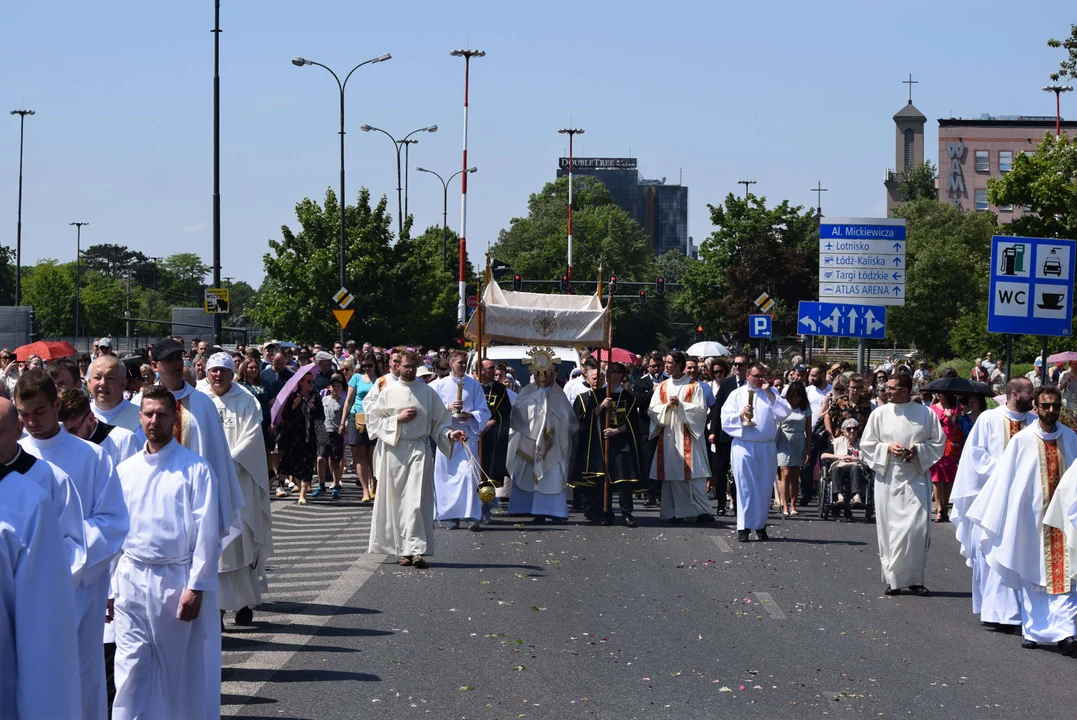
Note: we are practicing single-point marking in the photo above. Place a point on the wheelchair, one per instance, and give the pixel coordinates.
(828, 493)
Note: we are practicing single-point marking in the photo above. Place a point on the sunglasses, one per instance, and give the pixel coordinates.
(1048, 406)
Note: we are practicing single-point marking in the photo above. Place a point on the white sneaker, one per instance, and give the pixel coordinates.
(281, 492)
(290, 485)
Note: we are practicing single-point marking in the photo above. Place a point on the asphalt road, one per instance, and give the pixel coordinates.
(581, 621)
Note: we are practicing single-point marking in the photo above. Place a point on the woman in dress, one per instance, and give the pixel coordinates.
(794, 442)
(354, 424)
(944, 471)
(298, 443)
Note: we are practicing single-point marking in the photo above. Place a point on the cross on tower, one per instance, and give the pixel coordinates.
(819, 190)
(910, 82)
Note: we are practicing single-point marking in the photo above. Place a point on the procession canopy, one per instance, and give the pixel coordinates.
(525, 318)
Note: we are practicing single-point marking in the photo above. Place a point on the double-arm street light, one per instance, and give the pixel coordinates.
(1058, 90)
(407, 143)
(18, 226)
(445, 209)
(571, 132)
(78, 272)
(461, 308)
(397, 145)
(300, 62)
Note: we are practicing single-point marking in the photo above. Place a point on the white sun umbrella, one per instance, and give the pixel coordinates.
(707, 348)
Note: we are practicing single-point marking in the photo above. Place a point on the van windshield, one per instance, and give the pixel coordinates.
(522, 373)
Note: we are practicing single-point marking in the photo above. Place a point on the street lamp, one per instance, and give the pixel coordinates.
(78, 272)
(445, 209)
(1058, 90)
(407, 143)
(461, 308)
(571, 132)
(300, 62)
(18, 227)
(396, 145)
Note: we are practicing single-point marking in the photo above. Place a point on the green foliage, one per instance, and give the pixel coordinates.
(1047, 182)
(918, 182)
(948, 255)
(7, 275)
(50, 289)
(1068, 66)
(754, 249)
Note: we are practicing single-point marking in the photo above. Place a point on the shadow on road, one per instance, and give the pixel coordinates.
(808, 541)
(329, 631)
(291, 676)
(295, 608)
(484, 566)
(236, 644)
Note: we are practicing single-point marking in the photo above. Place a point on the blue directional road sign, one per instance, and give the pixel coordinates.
(1031, 286)
(862, 260)
(760, 326)
(841, 320)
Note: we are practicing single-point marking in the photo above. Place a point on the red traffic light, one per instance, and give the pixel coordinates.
(660, 285)
(564, 282)
(517, 282)
(642, 296)
(699, 329)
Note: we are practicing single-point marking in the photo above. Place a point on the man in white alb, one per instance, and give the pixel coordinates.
(751, 415)
(168, 563)
(900, 443)
(456, 478)
(106, 381)
(78, 419)
(678, 414)
(104, 517)
(998, 605)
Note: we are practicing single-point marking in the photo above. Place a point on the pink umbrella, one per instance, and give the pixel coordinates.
(619, 355)
(1063, 357)
(288, 389)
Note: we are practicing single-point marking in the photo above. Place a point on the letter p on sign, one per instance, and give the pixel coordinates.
(759, 326)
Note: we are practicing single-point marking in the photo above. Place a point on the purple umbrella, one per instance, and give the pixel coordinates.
(288, 389)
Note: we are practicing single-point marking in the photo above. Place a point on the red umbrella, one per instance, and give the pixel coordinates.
(619, 355)
(47, 350)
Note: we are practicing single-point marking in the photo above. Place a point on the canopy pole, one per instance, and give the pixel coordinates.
(480, 349)
(609, 361)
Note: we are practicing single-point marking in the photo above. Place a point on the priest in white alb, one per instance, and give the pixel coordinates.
(406, 416)
(78, 419)
(1017, 542)
(678, 413)
(38, 636)
(168, 565)
(244, 554)
(997, 604)
(106, 381)
(540, 449)
(456, 476)
(105, 521)
(750, 415)
(900, 442)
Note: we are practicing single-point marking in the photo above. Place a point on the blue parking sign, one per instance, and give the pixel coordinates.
(759, 326)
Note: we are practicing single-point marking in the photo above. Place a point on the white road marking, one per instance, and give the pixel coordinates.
(720, 541)
(769, 605)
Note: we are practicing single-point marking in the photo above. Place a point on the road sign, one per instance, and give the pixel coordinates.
(472, 302)
(343, 317)
(343, 298)
(216, 301)
(862, 259)
(841, 320)
(1031, 285)
(760, 326)
(764, 302)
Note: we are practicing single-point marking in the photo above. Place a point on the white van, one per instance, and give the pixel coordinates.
(514, 355)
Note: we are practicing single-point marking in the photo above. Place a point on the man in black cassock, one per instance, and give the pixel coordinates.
(495, 436)
(588, 463)
(624, 417)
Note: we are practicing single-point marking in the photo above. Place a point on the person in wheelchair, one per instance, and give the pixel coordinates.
(847, 472)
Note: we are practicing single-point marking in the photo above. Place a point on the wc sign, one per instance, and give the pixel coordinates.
(1031, 286)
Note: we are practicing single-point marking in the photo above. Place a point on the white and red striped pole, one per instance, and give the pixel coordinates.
(570, 132)
(461, 309)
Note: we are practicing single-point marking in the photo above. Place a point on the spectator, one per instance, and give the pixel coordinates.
(979, 373)
(846, 469)
(1035, 374)
(325, 371)
(331, 454)
(199, 369)
(83, 361)
(361, 444)
(944, 472)
(881, 376)
(854, 403)
(975, 405)
(65, 374)
(989, 363)
(1067, 383)
(250, 379)
(922, 376)
(298, 441)
(794, 446)
(147, 376)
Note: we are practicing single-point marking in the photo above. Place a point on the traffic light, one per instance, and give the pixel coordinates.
(33, 325)
(517, 282)
(613, 284)
(699, 332)
(660, 286)
(564, 282)
(642, 297)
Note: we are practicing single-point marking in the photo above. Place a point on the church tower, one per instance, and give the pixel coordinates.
(908, 148)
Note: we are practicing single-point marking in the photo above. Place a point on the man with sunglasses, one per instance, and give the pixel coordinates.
(900, 443)
(1023, 513)
(998, 605)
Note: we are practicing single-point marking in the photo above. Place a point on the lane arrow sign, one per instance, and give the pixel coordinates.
(872, 323)
(852, 319)
(897, 247)
(897, 277)
(809, 323)
(897, 262)
(833, 321)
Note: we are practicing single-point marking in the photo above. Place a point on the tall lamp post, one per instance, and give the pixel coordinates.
(216, 166)
(445, 210)
(461, 308)
(397, 145)
(407, 143)
(300, 62)
(1058, 90)
(571, 132)
(78, 273)
(18, 226)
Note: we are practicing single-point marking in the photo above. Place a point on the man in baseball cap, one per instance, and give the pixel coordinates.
(325, 370)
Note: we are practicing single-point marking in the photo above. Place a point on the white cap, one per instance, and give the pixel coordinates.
(424, 371)
(220, 360)
(322, 355)
(104, 342)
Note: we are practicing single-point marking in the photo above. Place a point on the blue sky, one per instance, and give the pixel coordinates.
(784, 93)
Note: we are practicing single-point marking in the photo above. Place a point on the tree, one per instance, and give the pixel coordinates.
(183, 275)
(240, 295)
(431, 294)
(754, 249)
(1047, 183)
(112, 260)
(918, 182)
(7, 276)
(49, 288)
(1067, 67)
(603, 235)
(947, 254)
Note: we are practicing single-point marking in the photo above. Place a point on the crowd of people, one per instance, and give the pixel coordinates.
(136, 491)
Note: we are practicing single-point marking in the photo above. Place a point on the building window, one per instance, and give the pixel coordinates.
(983, 161)
(1005, 208)
(1005, 160)
(981, 198)
(910, 149)
(1030, 153)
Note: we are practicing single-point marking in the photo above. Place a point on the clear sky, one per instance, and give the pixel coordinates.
(784, 93)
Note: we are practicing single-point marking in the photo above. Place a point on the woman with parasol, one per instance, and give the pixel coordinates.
(297, 412)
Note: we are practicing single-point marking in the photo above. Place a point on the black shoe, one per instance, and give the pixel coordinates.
(244, 616)
(538, 520)
(892, 591)
(1028, 644)
(721, 511)
(742, 536)
(762, 535)
(474, 527)
(919, 590)
(1068, 646)
(704, 518)
(607, 520)
(649, 502)
(1007, 629)
(629, 521)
